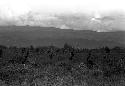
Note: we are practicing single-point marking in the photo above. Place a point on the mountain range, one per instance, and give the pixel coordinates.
(44, 36)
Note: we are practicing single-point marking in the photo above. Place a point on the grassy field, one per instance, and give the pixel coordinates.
(52, 66)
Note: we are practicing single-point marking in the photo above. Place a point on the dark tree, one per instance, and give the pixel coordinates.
(67, 46)
(107, 50)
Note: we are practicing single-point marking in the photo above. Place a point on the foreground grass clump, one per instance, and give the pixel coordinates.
(50, 75)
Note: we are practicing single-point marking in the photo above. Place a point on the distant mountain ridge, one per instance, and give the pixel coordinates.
(43, 36)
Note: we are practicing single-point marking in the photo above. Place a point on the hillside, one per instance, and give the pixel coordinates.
(44, 36)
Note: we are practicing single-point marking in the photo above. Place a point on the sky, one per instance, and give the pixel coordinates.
(97, 13)
(18, 7)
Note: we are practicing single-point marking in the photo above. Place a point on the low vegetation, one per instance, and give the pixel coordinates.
(67, 66)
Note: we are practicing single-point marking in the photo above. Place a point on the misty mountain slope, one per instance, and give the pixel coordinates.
(43, 36)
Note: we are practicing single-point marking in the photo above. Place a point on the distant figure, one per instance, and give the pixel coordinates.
(25, 60)
(1, 52)
(90, 63)
(72, 55)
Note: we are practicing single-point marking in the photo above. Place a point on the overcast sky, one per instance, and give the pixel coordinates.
(42, 12)
(18, 7)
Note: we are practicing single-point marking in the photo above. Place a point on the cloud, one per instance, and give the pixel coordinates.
(76, 21)
(65, 14)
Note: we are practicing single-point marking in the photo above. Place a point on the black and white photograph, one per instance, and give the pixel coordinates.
(62, 42)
